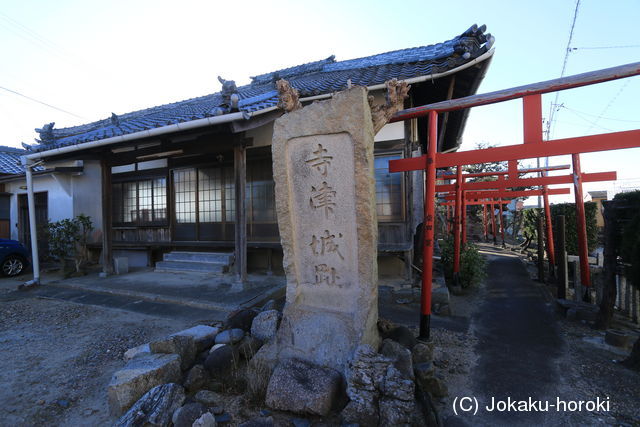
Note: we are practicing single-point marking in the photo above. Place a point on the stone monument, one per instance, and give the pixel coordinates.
(326, 204)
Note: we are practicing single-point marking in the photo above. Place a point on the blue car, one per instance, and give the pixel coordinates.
(15, 257)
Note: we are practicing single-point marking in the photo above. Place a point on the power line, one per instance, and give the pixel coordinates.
(604, 110)
(41, 102)
(564, 68)
(629, 46)
(595, 115)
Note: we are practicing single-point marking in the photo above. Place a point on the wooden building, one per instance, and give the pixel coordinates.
(196, 175)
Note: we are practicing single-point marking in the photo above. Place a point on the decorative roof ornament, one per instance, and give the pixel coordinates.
(288, 97)
(26, 146)
(229, 94)
(397, 92)
(46, 134)
(115, 120)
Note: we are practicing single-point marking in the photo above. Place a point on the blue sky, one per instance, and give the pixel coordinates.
(92, 58)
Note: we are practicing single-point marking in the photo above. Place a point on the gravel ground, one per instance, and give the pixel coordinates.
(57, 358)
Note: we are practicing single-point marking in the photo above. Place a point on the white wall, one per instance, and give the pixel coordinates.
(59, 202)
(87, 195)
(68, 195)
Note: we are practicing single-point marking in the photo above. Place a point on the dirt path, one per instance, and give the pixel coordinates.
(56, 358)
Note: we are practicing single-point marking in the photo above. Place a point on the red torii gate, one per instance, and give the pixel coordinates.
(533, 147)
(488, 196)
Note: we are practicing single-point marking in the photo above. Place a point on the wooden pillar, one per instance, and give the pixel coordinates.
(484, 221)
(501, 221)
(493, 222)
(429, 220)
(563, 273)
(240, 172)
(581, 224)
(456, 227)
(540, 249)
(605, 314)
(549, 231)
(463, 224)
(107, 220)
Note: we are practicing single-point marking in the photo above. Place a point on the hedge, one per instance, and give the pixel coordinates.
(571, 237)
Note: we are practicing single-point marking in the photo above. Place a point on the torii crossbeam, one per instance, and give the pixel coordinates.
(533, 147)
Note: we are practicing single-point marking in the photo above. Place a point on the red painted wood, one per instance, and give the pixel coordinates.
(484, 220)
(471, 195)
(528, 182)
(557, 147)
(463, 225)
(563, 83)
(458, 223)
(429, 216)
(442, 176)
(549, 229)
(532, 118)
(581, 222)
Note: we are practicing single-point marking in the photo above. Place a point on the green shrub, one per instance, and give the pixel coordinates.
(472, 264)
(571, 238)
(68, 239)
(629, 243)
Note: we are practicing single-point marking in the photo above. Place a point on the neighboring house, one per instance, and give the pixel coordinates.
(170, 173)
(61, 190)
(598, 197)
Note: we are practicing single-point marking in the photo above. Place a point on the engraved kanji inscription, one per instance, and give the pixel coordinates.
(326, 244)
(326, 274)
(323, 197)
(321, 161)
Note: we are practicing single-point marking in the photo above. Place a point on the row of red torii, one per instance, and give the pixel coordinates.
(533, 147)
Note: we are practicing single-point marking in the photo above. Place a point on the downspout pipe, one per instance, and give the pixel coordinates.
(35, 261)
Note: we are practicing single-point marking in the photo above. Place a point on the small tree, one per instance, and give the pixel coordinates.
(472, 264)
(68, 239)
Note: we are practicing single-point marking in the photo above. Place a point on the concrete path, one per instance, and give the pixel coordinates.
(185, 295)
(519, 345)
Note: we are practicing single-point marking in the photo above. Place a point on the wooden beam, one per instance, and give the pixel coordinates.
(445, 116)
(240, 172)
(532, 114)
(472, 195)
(107, 253)
(529, 182)
(555, 85)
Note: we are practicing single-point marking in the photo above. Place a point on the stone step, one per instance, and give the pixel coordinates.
(208, 267)
(210, 257)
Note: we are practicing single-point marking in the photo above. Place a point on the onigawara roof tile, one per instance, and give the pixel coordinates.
(314, 78)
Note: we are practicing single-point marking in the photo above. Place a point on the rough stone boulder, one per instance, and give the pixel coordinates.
(400, 355)
(422, 352)
(248, 347)
(136, 351)
(221, 360)
(230, 336)
(365, 378)
(206, 420)
(241, 319)
(139, 375)
(182, 345)
(196, 378)
(203, 335)
(265, 325)
(155, 408)
(397, 403)
(186, 415)
(303, 388)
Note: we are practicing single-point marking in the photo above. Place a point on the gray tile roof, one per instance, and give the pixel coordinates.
(314, 78)
(10, 160)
